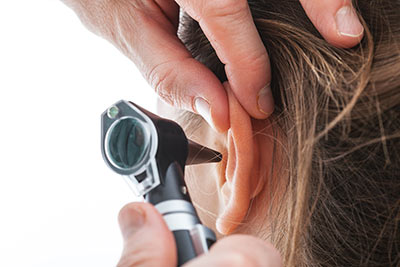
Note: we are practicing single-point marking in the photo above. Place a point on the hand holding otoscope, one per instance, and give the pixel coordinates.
(151, 153)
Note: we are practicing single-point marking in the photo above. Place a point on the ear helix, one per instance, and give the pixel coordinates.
(235, 192)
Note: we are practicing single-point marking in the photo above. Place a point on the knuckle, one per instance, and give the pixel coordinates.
(258, 58)
(225, 8)
(253, 61)
(163, 81)
(254, 65)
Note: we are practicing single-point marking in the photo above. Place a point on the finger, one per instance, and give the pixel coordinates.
(147, 240)
(239, 250)
(229, 26)
(185, 83)
(149, 39)
(336, 20)
(171, 11)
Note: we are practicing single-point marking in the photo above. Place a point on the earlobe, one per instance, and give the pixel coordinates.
(242, 179)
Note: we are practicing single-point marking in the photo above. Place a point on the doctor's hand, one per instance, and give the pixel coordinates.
(148, 242)
(146, 31)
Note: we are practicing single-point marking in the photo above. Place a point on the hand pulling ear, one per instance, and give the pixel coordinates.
(241, 168)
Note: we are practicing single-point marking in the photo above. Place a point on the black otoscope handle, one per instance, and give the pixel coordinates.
(173, 202)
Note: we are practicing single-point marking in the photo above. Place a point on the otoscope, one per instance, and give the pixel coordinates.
(151, 153)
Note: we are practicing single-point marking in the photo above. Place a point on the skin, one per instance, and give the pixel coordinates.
(221, 194)
(146, 32)
(141, 225)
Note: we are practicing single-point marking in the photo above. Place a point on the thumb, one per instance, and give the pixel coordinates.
(336, 20)
(147, 240)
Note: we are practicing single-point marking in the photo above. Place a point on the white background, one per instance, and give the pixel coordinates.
(59, 202)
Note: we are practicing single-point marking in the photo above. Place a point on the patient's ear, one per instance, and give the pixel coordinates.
(242, 178)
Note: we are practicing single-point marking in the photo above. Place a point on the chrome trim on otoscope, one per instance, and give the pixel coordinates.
(174, 206)
(200, 234)
(181, 215)
(178, 214)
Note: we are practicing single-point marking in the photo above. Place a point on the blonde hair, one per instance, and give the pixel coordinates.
(338, 112)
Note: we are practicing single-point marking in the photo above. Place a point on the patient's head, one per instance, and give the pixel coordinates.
(320, 178)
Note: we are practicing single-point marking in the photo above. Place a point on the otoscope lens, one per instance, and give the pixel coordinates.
(127, 143)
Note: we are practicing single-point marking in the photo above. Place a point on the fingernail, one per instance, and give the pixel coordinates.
(131, 220)
(265, 100)
(348, 23)
(203, 108)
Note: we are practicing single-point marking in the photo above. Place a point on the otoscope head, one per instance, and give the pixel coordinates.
(128, 142)
(141, 145)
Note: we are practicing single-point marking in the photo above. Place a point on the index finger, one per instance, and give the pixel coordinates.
(229, 26)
